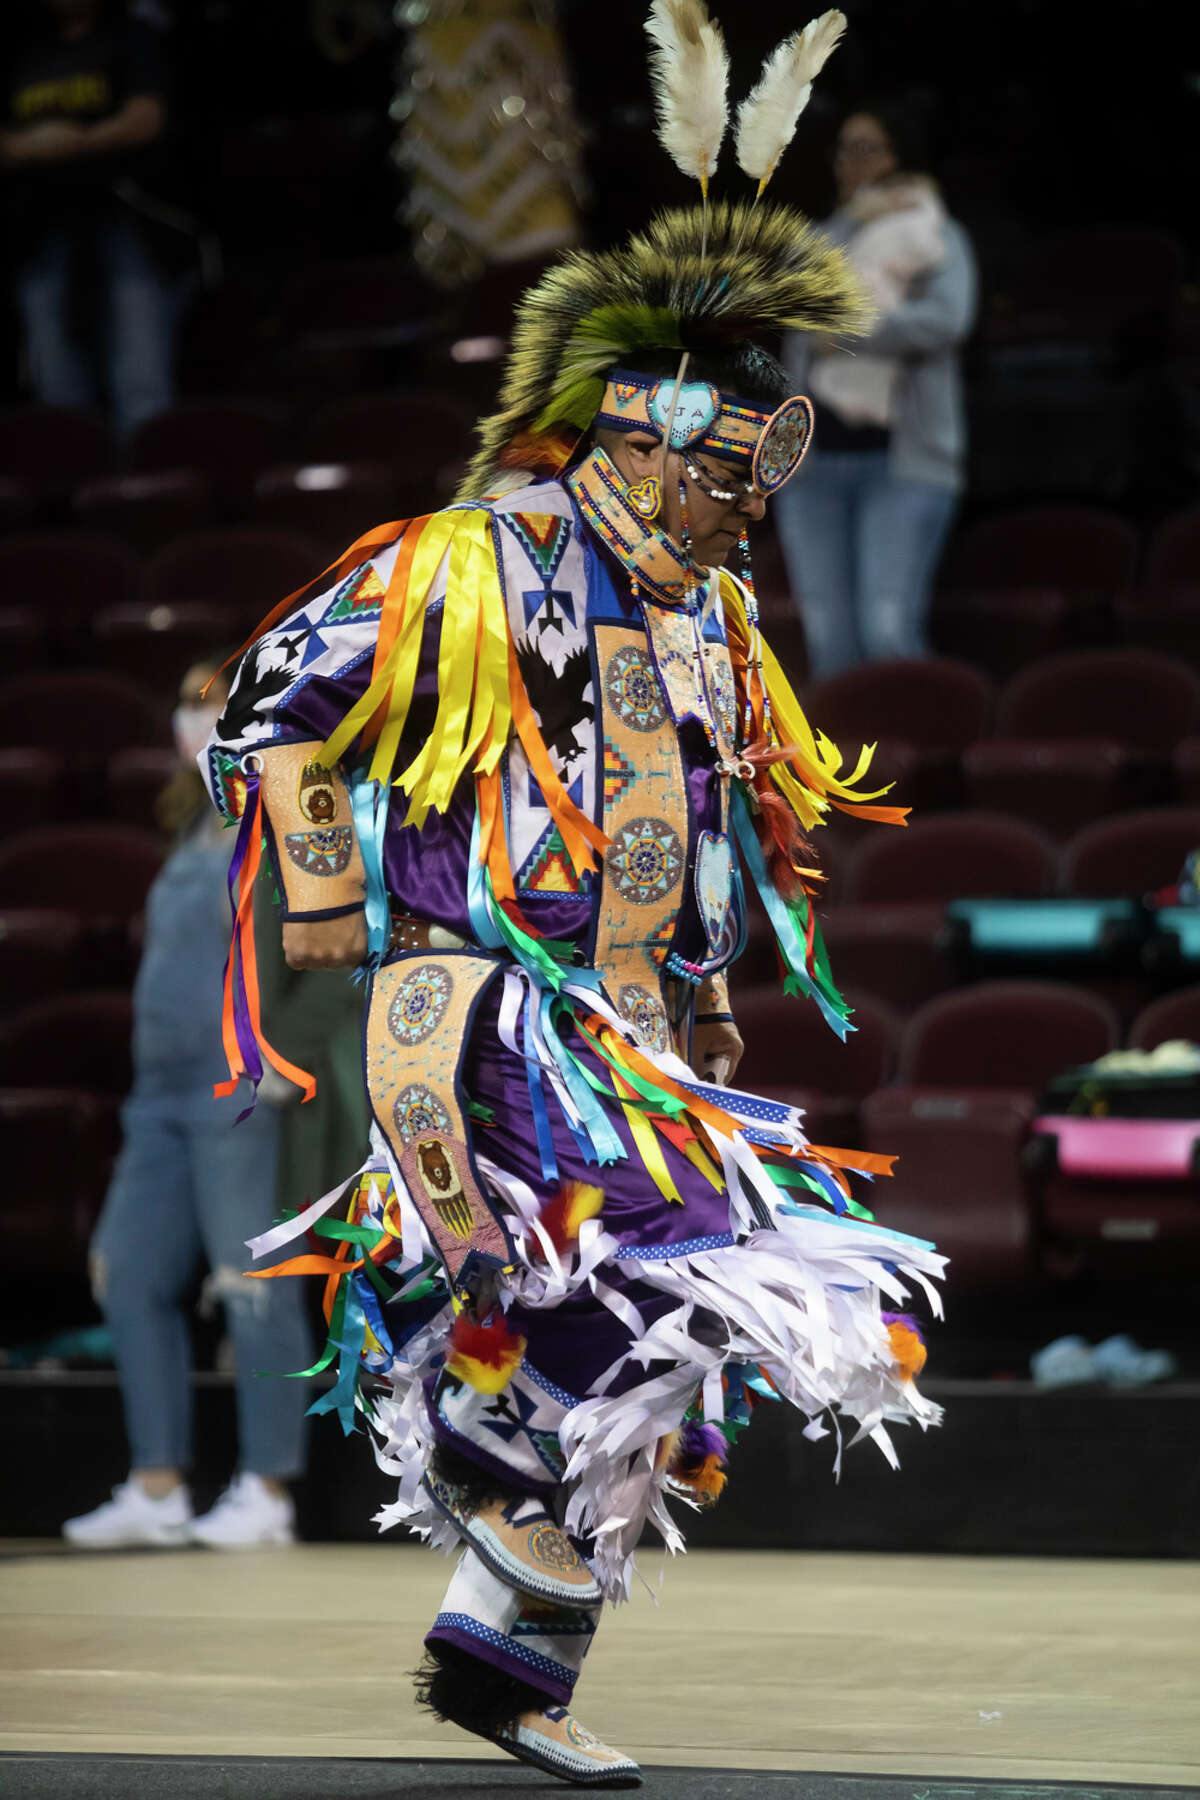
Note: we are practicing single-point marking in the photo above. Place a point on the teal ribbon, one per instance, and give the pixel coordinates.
(369, 808)
(348, 1335)
(791, 944)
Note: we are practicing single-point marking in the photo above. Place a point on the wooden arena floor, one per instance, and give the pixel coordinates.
(969, 1667)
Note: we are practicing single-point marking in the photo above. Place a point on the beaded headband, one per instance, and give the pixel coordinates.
(772, 444)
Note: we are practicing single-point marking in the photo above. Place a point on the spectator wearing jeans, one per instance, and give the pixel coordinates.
(190, 1186)
(863, 525)
(85, 118)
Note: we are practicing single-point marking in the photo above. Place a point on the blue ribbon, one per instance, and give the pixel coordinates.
(341, 1398)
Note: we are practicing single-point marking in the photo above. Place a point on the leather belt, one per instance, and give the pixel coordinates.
(409, 933)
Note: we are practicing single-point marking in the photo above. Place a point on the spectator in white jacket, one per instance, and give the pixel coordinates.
(864, 524)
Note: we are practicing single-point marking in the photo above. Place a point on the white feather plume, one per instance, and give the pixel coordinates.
(689, 70)
(768, 116)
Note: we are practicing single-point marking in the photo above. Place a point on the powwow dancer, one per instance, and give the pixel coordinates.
(516, 759)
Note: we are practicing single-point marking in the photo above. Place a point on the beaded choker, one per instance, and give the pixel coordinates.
(664, 571)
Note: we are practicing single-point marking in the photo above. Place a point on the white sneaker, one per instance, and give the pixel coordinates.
(133, 1517)
(247, 1516)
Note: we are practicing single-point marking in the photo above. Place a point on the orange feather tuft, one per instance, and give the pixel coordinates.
(562, 1217)
(908, 1350)
(484, 1356)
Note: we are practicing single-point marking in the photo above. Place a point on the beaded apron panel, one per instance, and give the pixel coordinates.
(418, 1020)
(646, 818)
(709, 698)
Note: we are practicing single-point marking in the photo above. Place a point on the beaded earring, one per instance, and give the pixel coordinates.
(645, 497)
(754, 672)
(685, 530)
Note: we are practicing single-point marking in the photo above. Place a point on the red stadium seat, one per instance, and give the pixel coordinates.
(792, 1054)
(156, 645)
(1173, 553)
(56, 1146)
(100, 872)
(1059, 787)
(335, 502)
(1136, 698)
(67, 576)
(244, 567)
(146, 510)
(921, 712)
(18, 504)
(1136, 853)
(406, 428)
(25, 638)
(1006, 1034)
(81, 713)
(226, 440)
(73, 1040)
(33, 787)
(1001, 629)
(958, 1180)
(1069, 549)
(899, 952)
(135, 780)
(53, 447)
(981, 855)
(39, 955)
(1186, 764)
(972, 1064)
(1173, 1016)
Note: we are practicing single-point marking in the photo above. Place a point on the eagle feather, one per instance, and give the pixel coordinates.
(689, 71)
(768, 117)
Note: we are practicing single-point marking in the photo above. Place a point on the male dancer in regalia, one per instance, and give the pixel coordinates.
(517, 759)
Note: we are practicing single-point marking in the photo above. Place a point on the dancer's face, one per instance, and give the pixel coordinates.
(715, 524)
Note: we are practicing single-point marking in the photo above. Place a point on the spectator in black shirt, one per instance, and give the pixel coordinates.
(86, 116)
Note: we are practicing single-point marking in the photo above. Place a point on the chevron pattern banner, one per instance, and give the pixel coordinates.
(490, 142)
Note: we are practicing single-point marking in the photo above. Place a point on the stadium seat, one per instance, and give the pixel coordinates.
(145, 510)
(1172, 1016)
(68, 576)
(33, 786)
(958, 1180)
(1173, 552)
(81, 713)
(25, 638)
(99, 872)
(1069, 549)
(1136, 698)
(952, 857)
(1163, 610)
(971, 1066)
(135, 779)
(792, 1054)
(927, 709)
(77, 1041)
(226, 440)
(156, 645)
(39, 955)
(334, 502)
(410, 430)
(56, 1147)
(1082, 735)
(1005, 1034)
(1059, 787)
(244, 567)
(1136, 853)
(18, 504)
(1186, 764)
(901, 952)
(53, 447)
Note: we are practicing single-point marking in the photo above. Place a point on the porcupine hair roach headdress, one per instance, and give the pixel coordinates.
(708, 282)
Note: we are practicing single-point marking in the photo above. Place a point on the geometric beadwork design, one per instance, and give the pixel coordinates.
(359, 597)
(417, 1108)
(632, 686)
(645, 860)
(543, 537)
(619, 774)
(550, 870)
(324, 852)
(419, 1003)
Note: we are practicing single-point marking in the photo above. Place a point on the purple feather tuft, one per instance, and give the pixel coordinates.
(698, 1441)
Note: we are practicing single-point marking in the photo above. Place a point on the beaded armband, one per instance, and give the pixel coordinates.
(310, 833)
